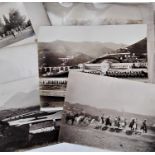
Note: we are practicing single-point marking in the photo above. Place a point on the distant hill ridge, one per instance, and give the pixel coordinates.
(110, 112)
(139, 48)
(82, 51)
(86, 51)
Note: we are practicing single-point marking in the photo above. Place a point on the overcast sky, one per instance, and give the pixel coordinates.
(126, 34)
(111, 93)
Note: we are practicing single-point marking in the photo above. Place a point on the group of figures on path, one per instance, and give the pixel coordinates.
(12, 32)
(13, 23)
(107, 122)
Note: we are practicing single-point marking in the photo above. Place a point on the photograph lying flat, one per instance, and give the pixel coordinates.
(109, 113)
(22, 124)
(15, 24)
(112, 50)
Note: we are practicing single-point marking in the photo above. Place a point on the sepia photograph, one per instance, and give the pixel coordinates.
(22, 125)
(113, 50)
(69, 13)
(118, 114)
(15, 24)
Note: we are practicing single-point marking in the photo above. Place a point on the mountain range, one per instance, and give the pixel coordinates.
(81, 51)
(109, 112)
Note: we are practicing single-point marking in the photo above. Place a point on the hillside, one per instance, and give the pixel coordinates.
(93, 49)
(139, 48)
(80, 58)
(109, 112)
(85, 51)
(81, 51)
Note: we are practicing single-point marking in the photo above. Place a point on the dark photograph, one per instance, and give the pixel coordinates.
(118, 51)
(121, 120)
(22, 125)
(14, 24)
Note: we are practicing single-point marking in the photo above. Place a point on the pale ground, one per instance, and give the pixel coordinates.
(20, 36)
(107, 140)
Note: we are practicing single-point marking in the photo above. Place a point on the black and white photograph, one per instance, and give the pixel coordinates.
(22, 125)
(15, 24)
(109, 113)
(69, 13)
(113, 50)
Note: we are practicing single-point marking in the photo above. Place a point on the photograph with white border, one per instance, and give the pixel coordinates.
(15, 24)
(109, 113)
(110, 50)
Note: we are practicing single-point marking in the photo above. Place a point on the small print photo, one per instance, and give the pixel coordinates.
(109, 113)
(118, 51)
(15, 24)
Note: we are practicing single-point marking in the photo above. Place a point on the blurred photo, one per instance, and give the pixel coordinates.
(113, 50)
(15, 24)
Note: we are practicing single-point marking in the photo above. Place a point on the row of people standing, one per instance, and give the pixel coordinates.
(123, 123)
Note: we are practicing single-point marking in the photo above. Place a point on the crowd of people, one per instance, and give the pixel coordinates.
(126, 74)
(121, 122)
(107, 122)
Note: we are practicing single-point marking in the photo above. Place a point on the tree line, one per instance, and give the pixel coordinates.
(14, 22)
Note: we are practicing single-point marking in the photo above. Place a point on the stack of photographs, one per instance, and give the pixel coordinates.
(52, 82)
(103, 45)
(95, 63)
(22, 124)
(89, 49)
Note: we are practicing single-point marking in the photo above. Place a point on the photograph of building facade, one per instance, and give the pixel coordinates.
(91, 50)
